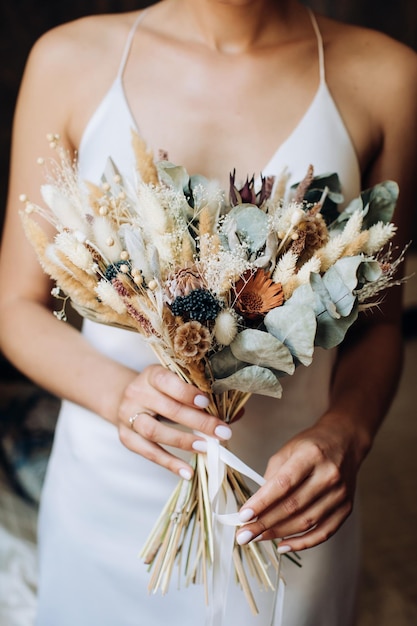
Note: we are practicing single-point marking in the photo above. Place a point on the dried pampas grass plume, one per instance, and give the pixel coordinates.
(145, 163)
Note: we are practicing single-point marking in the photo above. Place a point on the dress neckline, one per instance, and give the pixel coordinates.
(322, 101)
(322, 86)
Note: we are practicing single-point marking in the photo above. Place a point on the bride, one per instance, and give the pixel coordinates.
(251, 85)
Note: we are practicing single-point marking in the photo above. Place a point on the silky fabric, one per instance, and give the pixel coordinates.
(100, 500)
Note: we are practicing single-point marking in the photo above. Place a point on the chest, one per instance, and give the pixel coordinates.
(214, 113)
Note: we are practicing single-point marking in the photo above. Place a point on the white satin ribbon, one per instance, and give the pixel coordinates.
(225, 519)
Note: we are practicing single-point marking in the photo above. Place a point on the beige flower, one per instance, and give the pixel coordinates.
(183, 282)
(192, 340)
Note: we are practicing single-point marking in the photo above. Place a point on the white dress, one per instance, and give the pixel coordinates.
(100, 500)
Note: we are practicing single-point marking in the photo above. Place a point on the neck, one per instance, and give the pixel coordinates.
(236, 26)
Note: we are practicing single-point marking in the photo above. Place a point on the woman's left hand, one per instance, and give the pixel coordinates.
(309, 489)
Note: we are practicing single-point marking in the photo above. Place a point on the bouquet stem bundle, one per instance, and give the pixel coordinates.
(183, 535)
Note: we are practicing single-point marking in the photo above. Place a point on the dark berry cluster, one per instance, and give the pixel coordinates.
(198, 305)
(114, 268)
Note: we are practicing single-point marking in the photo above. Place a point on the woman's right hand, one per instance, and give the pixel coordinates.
(159, 393)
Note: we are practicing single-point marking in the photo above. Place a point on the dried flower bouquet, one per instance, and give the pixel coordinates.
(232, 294)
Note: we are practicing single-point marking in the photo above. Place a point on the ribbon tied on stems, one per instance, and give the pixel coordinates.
(196, 532)
(225, 518)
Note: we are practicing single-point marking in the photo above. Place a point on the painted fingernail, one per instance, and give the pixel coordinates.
(244, 537)
(223, 432)
(185, 473)
(283, 549)
(201, 401)
(199, 446)
(246, 514)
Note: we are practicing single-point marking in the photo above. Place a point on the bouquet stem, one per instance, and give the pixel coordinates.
(186, 525)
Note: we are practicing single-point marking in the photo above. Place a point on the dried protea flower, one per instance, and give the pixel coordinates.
(247, 193)
(192, 340)
(183, 282)
(256, 294)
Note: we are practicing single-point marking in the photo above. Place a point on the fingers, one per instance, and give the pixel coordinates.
(165, 394)
(154, 393)
(305, 494)
(315, 523)
(319, 534)
(153, 451)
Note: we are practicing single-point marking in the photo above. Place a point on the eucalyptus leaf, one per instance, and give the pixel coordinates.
(197, 180)
(251, 225)
(341, 280)
(175, 176)
(324, 301)
(295, 326)
(224, 363)
(250, 379)
(369, 271)
(330, 331)
(261, 348)
(380, 201)
(377, 204)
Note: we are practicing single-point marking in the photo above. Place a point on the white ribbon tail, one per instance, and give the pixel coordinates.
(225, 519)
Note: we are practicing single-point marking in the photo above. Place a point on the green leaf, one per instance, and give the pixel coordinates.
(260, 348)
(250, 379)
(175, 176)
(369, 271)
(330, 331)
(295, 326)
(224, 363)
(341, 280)
(331, 325)
(251, 225)
(379, 202)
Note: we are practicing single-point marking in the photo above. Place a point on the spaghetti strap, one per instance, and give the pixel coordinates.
(319, 45)
(128, 43)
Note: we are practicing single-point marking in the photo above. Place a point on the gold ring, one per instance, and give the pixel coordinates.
(132, 418)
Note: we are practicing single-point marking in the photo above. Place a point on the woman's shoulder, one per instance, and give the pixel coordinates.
(82, 44)
(368, 52)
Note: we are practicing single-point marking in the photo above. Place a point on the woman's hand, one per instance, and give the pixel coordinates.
(158, 393)
(309, 490)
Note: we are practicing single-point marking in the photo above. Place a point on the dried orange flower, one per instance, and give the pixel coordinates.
(192, 340)
(256, 294)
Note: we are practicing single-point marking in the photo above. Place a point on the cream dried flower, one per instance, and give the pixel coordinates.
(225, 327)
(192, 341)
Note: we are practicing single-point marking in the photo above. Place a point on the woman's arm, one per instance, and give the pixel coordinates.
(310, 482)
(54, 354)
